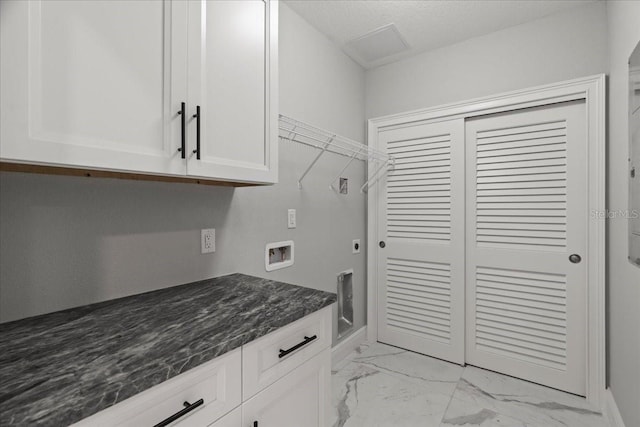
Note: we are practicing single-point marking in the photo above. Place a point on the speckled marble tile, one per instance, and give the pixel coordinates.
(484, 398)
(381, 385)
(408, 365)
(61, 367)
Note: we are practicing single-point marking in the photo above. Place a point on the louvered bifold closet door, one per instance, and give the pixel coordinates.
(421, 220)
(526, 214)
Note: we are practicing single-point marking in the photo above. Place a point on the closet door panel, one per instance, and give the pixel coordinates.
(421, 267)
(526, 214)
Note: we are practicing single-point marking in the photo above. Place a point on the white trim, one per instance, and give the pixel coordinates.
(348, 345)
(524, 98)
(596, 327)
(272, 90)
(611, 411)
(372, 242)
(592, 90)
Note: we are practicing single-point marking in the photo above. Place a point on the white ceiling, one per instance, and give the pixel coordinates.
(424, 24)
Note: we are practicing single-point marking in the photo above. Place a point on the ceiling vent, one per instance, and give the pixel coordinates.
(371, 48)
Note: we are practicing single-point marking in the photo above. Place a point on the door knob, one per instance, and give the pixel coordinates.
(575, 258)
(382, 244)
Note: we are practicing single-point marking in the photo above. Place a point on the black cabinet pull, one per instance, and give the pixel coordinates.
(197, 117)
(306, 341)
(188, 407)
(255, 424)
(183, 134)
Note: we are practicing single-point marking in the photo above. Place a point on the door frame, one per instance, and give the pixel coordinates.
(592, 89)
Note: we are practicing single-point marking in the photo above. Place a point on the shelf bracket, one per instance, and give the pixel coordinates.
(351, 159)
(375, 176)
(324, 150)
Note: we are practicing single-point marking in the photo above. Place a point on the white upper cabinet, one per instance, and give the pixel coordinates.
(99, 85)
(90, 84)
(238, 115)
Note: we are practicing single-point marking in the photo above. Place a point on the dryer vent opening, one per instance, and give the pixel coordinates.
(345, 303)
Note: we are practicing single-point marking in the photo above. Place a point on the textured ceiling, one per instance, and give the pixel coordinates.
(426, 24)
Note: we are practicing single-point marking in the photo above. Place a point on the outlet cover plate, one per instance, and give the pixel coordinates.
(291, 218)
(355, 246)
(208, 240)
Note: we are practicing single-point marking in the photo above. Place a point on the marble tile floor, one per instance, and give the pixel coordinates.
(380, 385)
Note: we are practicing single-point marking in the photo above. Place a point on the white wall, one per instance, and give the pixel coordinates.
(623, 278)
(322, 86)
(575, 43)
(559, 47)
(68, 241)
(590, 40)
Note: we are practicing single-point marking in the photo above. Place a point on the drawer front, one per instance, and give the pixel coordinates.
(216, 382)
(261, 361)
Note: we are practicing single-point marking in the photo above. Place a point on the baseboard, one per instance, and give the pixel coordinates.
(348, 345)
(611, 411)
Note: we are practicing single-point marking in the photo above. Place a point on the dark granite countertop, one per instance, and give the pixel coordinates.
(58, 368)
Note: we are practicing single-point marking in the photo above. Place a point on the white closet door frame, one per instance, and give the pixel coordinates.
(592, 90)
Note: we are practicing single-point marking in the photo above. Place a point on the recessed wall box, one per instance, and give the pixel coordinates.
(344, 185)
(345, 303)
(278, 255)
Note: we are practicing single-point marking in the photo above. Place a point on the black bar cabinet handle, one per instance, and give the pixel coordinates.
(188, 407)
(183, 134)
(255, 424)
(197, 117)
(306, 341)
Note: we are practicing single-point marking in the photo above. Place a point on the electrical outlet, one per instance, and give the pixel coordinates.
(208, 240)
(291, 218)
(355, 246)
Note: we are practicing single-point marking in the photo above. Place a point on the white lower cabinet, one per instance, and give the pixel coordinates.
(286, 376)
(300, 398)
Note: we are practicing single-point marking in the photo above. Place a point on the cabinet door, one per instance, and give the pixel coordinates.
(301, 398)
(91, 83)
(232, 75)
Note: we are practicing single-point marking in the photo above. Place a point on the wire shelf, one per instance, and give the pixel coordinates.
(297, 131)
